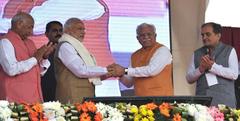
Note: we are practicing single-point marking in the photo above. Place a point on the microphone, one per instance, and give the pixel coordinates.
(207, 46)
(207, 51)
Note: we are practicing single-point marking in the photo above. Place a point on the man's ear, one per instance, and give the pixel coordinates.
(46, 34)
(19, 24)
(137, 37)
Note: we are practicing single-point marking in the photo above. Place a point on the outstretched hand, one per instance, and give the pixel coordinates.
(115, 70)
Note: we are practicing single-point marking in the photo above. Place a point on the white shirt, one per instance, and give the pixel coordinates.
(70, 58)
(13, 67)
(158, 61)
(230, 72)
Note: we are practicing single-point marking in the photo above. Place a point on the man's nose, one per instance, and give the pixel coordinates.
(204, 37)
(59, 31)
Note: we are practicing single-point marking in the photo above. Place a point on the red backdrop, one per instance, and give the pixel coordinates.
(96, 38)
(231, 36)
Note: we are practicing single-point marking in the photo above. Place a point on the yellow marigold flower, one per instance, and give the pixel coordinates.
(144, 119)
(237, 112)
(143, 112)
(143, 107)
(134, 109)
(150, 112)
(151, 118)
(137, 117)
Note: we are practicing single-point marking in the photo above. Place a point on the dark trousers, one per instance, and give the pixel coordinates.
(237, 91)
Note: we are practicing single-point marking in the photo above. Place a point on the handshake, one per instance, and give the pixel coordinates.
(115, 70)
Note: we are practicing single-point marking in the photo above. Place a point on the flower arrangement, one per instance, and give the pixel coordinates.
(193, 112)
(89, 111)
(237, 115)
(86, 111)
(53, 111)
(175, 112)
(216, 114)
(26, 112)
(35, 112)
(229, 113)
(109, 113)
(5, 111)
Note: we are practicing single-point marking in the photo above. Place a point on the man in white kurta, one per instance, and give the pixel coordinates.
(75, 68)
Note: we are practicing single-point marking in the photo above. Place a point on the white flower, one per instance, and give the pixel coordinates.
(4, 103)
(191, 109)
(109, 113)
(52, 105)
(202, 113)
(203, 116)
(5, 112)
(53, 111)
(199, 112)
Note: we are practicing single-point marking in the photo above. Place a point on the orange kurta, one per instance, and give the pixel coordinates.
(159, 85)
(24, 87)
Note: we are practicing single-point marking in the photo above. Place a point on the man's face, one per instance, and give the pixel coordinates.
(146, 36)
(78, 31)
(54, 33)
(25, 28)
(209, 38)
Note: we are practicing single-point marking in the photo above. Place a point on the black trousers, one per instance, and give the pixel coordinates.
(237, 91)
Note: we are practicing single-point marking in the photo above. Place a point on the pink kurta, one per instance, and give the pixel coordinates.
(24, 87)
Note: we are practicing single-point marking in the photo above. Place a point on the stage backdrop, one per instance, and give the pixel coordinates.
(110, 24)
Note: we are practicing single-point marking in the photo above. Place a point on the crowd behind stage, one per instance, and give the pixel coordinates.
(64, 69)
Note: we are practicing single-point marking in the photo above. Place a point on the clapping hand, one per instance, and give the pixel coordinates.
(44, 51)
(205, 63)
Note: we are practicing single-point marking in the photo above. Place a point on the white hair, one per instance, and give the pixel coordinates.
(139, 27)
(20, 17)
(71, 22)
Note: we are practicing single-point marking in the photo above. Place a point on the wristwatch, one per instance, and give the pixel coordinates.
(126, 71)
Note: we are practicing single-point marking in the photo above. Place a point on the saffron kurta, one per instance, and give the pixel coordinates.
(158, 85)
(24, 87)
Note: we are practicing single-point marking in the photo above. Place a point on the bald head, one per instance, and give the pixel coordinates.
(75, 27)
(22, 24)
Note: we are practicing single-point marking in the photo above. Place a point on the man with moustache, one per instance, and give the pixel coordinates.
(75, 67)
(54, 31)
(150, 70)
(214, 67)
(21, 62)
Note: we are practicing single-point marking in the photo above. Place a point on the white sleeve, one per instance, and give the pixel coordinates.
(9, 62)
(70, 58)
(45, 64)
(193, 73)
(230, 72)
(159, 60)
